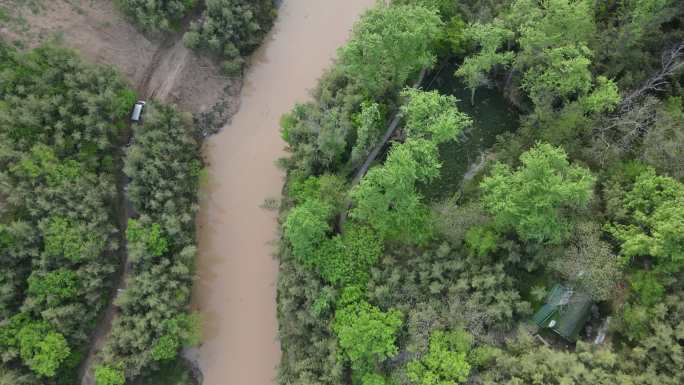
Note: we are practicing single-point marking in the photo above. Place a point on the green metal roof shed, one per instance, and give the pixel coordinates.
(565, 311)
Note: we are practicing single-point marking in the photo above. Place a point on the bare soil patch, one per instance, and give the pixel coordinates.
(161, 68)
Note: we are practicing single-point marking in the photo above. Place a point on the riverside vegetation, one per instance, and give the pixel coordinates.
(63, 124)
(66, 176)
(227, 29)
(586, 191)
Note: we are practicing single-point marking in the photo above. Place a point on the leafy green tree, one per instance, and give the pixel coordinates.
(446, 362)
(366, 334)
(54, 287)
(389, 44)
(61, 122)
(489, 37)
(373, 379)
(664, 141)
(42, 349)
(368, 129)
(231, 29)
(481, 240)
(655, 215)
(564, 73)
(532, 198)
(604, 97)
(524, 362)
(144, 240)
(346, 259)
(157, 15)
(306, 228)
(589, 262)
(432, 116)
(387, 198)
(165, 348)
(106, 375)
(71, 240)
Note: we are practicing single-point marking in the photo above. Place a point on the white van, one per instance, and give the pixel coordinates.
(137, 111)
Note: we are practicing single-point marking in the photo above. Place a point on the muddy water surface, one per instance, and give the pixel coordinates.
(237, 274)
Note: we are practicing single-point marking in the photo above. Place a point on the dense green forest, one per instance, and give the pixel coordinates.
(63, 232)
(226, 29)
(61, 124)
(164, 166)
(380, 284)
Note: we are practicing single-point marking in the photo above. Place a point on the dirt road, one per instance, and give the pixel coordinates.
(235, 288)
(162, 68)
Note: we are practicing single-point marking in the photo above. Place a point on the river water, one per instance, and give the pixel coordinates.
(236, 286)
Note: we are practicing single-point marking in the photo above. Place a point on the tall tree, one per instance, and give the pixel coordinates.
(389, 44)
(532, 198)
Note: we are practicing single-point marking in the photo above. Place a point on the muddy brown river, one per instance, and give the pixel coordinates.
(236, 286)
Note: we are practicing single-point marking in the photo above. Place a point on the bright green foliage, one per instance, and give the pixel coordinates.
(489, 37)
(648, 287)
(326, 188)
(373, 379)
(530, 199)
(105, 375)
(166, 348)
(446, 360)
(432, 116)
(157, 15)
(366, 334)
(53, 288)
(306, 228)
(481, 240)
(454, 35)
(655, 207)
(71, 240)
(368, 129)
(231, 29)
(389, 44)
(145, 239)
(42, 349)
(446, 8)
(387, 198)
(604, 97)
(564, 73)
(41, 164)
(347, 259)
(552, 24)
(60, 131)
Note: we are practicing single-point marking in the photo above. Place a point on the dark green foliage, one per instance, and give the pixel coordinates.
(60, 125)
(231, 29)
(664, 142)
(164, 165)
(157, 15)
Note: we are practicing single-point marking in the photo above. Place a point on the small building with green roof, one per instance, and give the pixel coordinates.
(565, 311)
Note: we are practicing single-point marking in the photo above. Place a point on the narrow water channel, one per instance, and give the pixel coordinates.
(236, 286)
